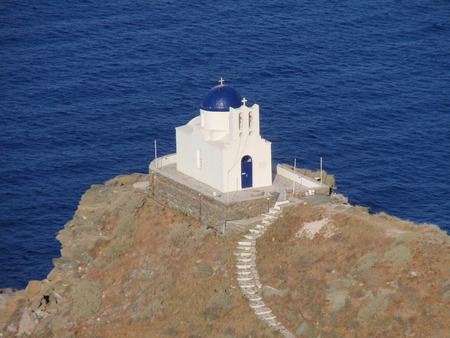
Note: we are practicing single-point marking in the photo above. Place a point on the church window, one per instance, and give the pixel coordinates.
(250, 120)
(240, 121)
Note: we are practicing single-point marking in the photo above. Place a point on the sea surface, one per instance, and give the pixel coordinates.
(87, 86)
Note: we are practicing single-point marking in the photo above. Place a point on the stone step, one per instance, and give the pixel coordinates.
(250, 251)
(257, 304)
(275, 324)
(247, 243)
(249, 291)
(249, 281)
(270, 317)
(244, 279)
(286, 333)
(246, 284)
(280, 203)
(243, 254)
(263, 311)
(254, 298)
(246, 248)
(244, 266)
(274, 327)
(244, 260)
(274, 211)
(251, 270)
(247, 275)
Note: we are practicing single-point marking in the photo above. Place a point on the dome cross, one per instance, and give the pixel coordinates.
(221, 81)
(244, 101)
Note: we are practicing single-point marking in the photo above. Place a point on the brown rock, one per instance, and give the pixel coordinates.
(33, 289)
(53, 274)
(27, 323)
(35, 302)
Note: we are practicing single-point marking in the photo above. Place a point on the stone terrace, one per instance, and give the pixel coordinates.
(213, 208)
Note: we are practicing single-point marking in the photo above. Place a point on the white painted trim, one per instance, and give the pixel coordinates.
(297, 177)
(163, 161)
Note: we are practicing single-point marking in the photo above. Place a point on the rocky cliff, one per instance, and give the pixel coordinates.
(131, 266)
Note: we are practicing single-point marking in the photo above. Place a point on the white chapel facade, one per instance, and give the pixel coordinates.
(222, 147)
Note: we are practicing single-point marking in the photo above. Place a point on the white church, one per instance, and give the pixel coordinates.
(222, 147)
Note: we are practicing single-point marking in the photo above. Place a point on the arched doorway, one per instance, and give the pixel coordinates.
(246, 172)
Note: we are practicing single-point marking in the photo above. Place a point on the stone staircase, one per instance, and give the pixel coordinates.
(247, 274)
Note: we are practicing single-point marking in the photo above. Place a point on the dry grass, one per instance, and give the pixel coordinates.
(151, 311)
(125, 225)
(366, 262)
(218, 305)
(119, 247)
(371, 313)
(176, 279)
(372, 277)
(180, 233)
(87, 296)
(399, 256)
(163, 274)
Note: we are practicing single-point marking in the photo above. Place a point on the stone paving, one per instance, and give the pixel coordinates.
(247, 274)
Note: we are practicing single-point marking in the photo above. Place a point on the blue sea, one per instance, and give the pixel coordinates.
(87, 86)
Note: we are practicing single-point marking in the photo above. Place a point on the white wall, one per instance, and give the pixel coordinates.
(222, 142)
(215, 120)
(189, 142)
(162, 161)
(298, 178)
(247, 141)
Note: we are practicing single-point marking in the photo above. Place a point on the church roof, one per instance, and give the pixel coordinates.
(221, 98)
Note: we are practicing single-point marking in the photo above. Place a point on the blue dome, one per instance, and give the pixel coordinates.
(221, 98)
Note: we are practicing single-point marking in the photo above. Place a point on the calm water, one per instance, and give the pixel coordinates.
(86, 86)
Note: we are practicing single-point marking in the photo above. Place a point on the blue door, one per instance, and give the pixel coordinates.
(246, 172)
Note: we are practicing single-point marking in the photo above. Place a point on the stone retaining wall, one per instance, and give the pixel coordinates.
(206, 209)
